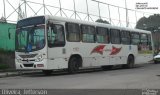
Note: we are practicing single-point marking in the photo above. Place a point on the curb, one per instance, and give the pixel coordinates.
(9, 74)
(16, 73)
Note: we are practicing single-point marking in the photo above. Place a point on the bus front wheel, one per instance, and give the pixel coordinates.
(73, 65)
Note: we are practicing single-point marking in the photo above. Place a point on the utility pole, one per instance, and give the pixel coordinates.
(127, 23)
(87, 9)
(60, 7)
(25, 8)
(75, 8)
(4, 9)
(44, 7)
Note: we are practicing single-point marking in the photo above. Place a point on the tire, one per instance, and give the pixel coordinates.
(73, 65)
(130, 62)
(47, 72)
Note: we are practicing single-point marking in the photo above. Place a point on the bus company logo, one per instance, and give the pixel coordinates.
(100, 48)
(115, 50)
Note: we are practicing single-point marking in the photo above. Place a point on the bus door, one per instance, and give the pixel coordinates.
(56, 42)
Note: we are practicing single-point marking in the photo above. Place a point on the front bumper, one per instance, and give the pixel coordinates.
(31, 65)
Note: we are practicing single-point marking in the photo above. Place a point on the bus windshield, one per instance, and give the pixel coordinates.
(30, 39)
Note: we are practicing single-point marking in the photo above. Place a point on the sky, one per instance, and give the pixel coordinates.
(116, 19)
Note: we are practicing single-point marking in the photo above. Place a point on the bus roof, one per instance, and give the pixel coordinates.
(56, 18)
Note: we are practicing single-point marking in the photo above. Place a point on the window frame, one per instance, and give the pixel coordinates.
(111, 36)
(149, 37)
(67, 32)
(105, 34)
(135, 38)
(149, 42)
(82, 33)
(63, 32)
(128, 37)
(143, 39)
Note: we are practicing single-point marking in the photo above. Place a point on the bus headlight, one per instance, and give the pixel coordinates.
(19, 60)
(39, 58)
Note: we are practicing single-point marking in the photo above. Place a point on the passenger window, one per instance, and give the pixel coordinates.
(144, 39)
(56, 35)
(135, 38)
(149, 41)
(102, 35)
(88, 33)
(115, 36)
(145, 43)
(125, 37)
(73, 32)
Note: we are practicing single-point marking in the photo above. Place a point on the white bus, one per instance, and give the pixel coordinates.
(50, 43)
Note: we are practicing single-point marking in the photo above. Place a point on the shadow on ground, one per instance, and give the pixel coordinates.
(85, 71)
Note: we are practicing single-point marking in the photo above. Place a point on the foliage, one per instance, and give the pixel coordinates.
(3, 66)
(151, 23)
(2, 51)
(3, 19)
(102, 21)
(6, 59)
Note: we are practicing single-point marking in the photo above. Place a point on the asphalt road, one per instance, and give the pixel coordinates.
(143, 76)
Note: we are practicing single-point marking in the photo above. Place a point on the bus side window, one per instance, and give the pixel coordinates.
(144, 39)
(135, 38)
(102, 35)
(115, 36)
(149, 41)
(73, 32)
(56, 36)
(88, 33)
(125, 37)
(143, 42)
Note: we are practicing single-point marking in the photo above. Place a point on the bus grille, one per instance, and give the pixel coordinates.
(28, 56)
(28, 65)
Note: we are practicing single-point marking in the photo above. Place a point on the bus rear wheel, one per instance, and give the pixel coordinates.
(73, 65)
(47, 72)
(130, 62)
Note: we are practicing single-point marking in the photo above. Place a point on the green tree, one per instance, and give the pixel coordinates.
(102, 21)
(151, 23)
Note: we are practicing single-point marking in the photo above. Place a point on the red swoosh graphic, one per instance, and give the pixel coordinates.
(98, 49)
(115, 50)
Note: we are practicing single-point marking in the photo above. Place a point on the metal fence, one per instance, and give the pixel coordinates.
(88, 10)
